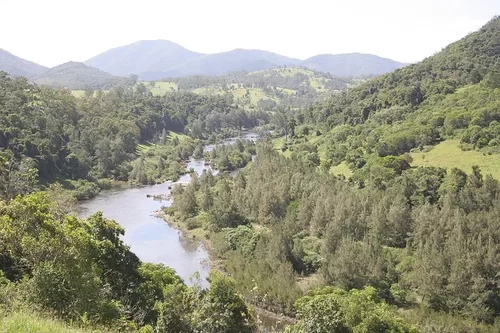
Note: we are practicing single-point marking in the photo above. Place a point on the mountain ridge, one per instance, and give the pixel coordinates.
(183, 62)
(77, 75)
(17, 66)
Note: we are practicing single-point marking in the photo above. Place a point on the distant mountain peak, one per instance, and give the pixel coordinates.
(158, 59)
(77, 75)
(142, 56)
(352, 64)
(17, 66)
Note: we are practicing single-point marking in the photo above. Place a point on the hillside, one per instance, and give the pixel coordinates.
(351, 64)
(453, 95)
(159, 59)
(264, 89)
(77, 75)
(141, 57)
(16, 66)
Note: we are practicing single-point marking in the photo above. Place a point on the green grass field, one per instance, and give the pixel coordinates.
(161, 88)
(144, 148)
(278, 143)
(81, 93)
(448, 154)
(341, 169)
(24, 322)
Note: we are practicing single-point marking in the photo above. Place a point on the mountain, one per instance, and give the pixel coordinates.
(351, 64)
(16, 66)
(158, 59)
(77, 75)
(226, 62)
(142, 56)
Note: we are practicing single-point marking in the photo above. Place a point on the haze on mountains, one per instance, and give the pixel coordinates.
(157, 59)
(19, 67)
(77, 75)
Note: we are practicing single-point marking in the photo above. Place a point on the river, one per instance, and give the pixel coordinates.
(149, 236)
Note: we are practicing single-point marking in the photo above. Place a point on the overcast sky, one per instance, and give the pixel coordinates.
(51, 32)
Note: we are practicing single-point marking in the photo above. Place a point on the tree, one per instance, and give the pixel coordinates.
(221, 309)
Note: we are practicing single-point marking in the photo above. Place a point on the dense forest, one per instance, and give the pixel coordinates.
(388, 248)
(425, 239)
(48, 134)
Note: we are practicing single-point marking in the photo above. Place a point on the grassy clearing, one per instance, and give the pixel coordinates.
(161, 88)
(181, 137)
(448, 154)
(78, 93)
(22, 322)
(146, 147)
(81, 93)
(278, 143)
(341, 169)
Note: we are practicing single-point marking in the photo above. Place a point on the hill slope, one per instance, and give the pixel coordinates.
(351, 64)
(267, 89)
(16, 66)
(142, 56)
(453, 95)
(77, 75)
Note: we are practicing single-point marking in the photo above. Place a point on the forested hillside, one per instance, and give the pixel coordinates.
(266, 90)
(52, 134)
(77, 75)
(451, 95)
(422, 241)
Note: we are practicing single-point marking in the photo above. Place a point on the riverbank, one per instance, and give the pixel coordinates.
(191, 233)
(267, 319)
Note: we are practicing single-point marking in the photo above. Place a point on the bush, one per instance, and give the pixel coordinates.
(104, 183)
(193, 223)
(84, 190)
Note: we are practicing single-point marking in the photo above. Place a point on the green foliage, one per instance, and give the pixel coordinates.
(221, 309)
(81, 271)
(51, 134)
(414, 234)
(358, 311)
(264, 90)
(27, 321)
(232, 157)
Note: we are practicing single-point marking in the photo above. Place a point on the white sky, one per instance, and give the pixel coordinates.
(51, 32)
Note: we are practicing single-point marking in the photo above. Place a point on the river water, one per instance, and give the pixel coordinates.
(149, 236)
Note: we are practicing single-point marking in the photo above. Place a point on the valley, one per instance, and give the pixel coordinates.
(157, 189)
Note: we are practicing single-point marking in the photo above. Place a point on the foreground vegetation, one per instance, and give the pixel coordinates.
(25, 321)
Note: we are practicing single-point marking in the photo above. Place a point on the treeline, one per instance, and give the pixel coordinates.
(49, 132)
(427, 240)
(281, 77)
